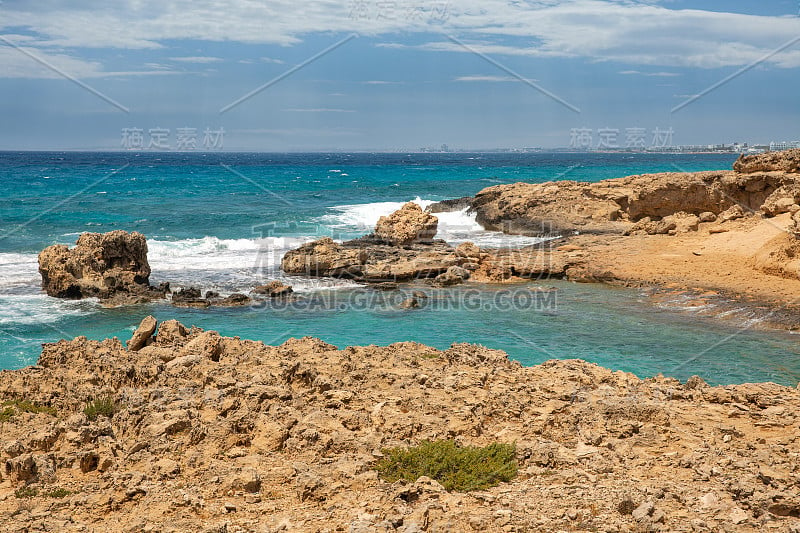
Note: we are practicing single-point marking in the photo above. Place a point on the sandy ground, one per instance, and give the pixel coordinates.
(722, 262)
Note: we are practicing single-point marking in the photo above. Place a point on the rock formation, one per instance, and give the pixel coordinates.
(768, 183)
(193, 297)
(101, 265)
(400, 249)
(785, 161)
(273, 289)
(408, 225)
(199, 432)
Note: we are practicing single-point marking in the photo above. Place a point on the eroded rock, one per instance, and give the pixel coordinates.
(100, 265)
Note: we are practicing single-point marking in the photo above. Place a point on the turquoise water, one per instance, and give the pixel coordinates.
(222, 221)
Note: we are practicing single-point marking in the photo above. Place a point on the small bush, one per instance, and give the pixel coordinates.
(13, 407)
(26, 492)
(104, 406)
(58, 493)
(456, 468)
(7, 414)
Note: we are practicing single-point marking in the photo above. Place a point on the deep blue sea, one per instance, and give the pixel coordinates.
(222, 221)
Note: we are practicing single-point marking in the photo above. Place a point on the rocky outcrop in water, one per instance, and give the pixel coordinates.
(765, 183)
(200, 432)
(369, 259)
(101, 265)
(193, 297)
(408, 225)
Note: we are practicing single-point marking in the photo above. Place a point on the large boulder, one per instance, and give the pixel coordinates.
(101, 265)
(785, 161)
(408, 225)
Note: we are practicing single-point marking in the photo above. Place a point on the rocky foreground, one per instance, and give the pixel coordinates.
(208, 433)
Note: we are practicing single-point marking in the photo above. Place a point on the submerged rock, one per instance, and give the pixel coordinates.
(273, 289)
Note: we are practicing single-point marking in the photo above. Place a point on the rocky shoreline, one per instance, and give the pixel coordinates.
(208, 433)
(182, 429)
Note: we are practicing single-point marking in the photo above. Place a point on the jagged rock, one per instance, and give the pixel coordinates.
(324, 257)
(469, 250)
(672, 224)
(170, 333)
(785, 161)
(707, 216)
(782, 200)
(732, 213)
(611, 206)
(273, 289)
(408, 225)
(189, 297)
(275, 431)
(233, 300)
(447, 206)
(409, 303)
(454, 276)
(370, 260)
(100, 265)
(192, 297)
(143, 334)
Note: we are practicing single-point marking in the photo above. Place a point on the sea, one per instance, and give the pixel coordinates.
(222, 221)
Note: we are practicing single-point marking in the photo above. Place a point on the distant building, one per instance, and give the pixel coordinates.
(784, 145)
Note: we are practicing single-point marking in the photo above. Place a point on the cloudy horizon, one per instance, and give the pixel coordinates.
(405, 74)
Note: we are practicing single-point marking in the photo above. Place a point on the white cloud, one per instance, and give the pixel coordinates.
(28, 62)
(197, 59)
(649, 74)
(635, 33)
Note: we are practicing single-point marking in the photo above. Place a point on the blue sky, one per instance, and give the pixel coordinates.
(398, 74)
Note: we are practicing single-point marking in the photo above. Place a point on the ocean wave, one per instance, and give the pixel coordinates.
(228, 265)
(455, 227)
(18, 269)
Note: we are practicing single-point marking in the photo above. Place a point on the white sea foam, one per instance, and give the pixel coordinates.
(227, 265)
(454, 227)
(18, 270)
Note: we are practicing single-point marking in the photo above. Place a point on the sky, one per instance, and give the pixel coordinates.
(289, 75)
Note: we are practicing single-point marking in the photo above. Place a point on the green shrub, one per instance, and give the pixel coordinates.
(58, 493)
(456, 468)
(26, 492)
(104, 406)
(13, 407)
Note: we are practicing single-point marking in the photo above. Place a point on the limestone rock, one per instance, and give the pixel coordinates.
(782, 200)
(454, 276)
(273, 289)
(288, 437)
(324, 257)
(785, 161)
(672, 224)
(170, 333)
(143, 334)
(732, 213)
(100, 265)
(407, 225)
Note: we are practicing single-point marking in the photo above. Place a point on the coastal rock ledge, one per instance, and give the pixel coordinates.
(101, 265)
(199, 432)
